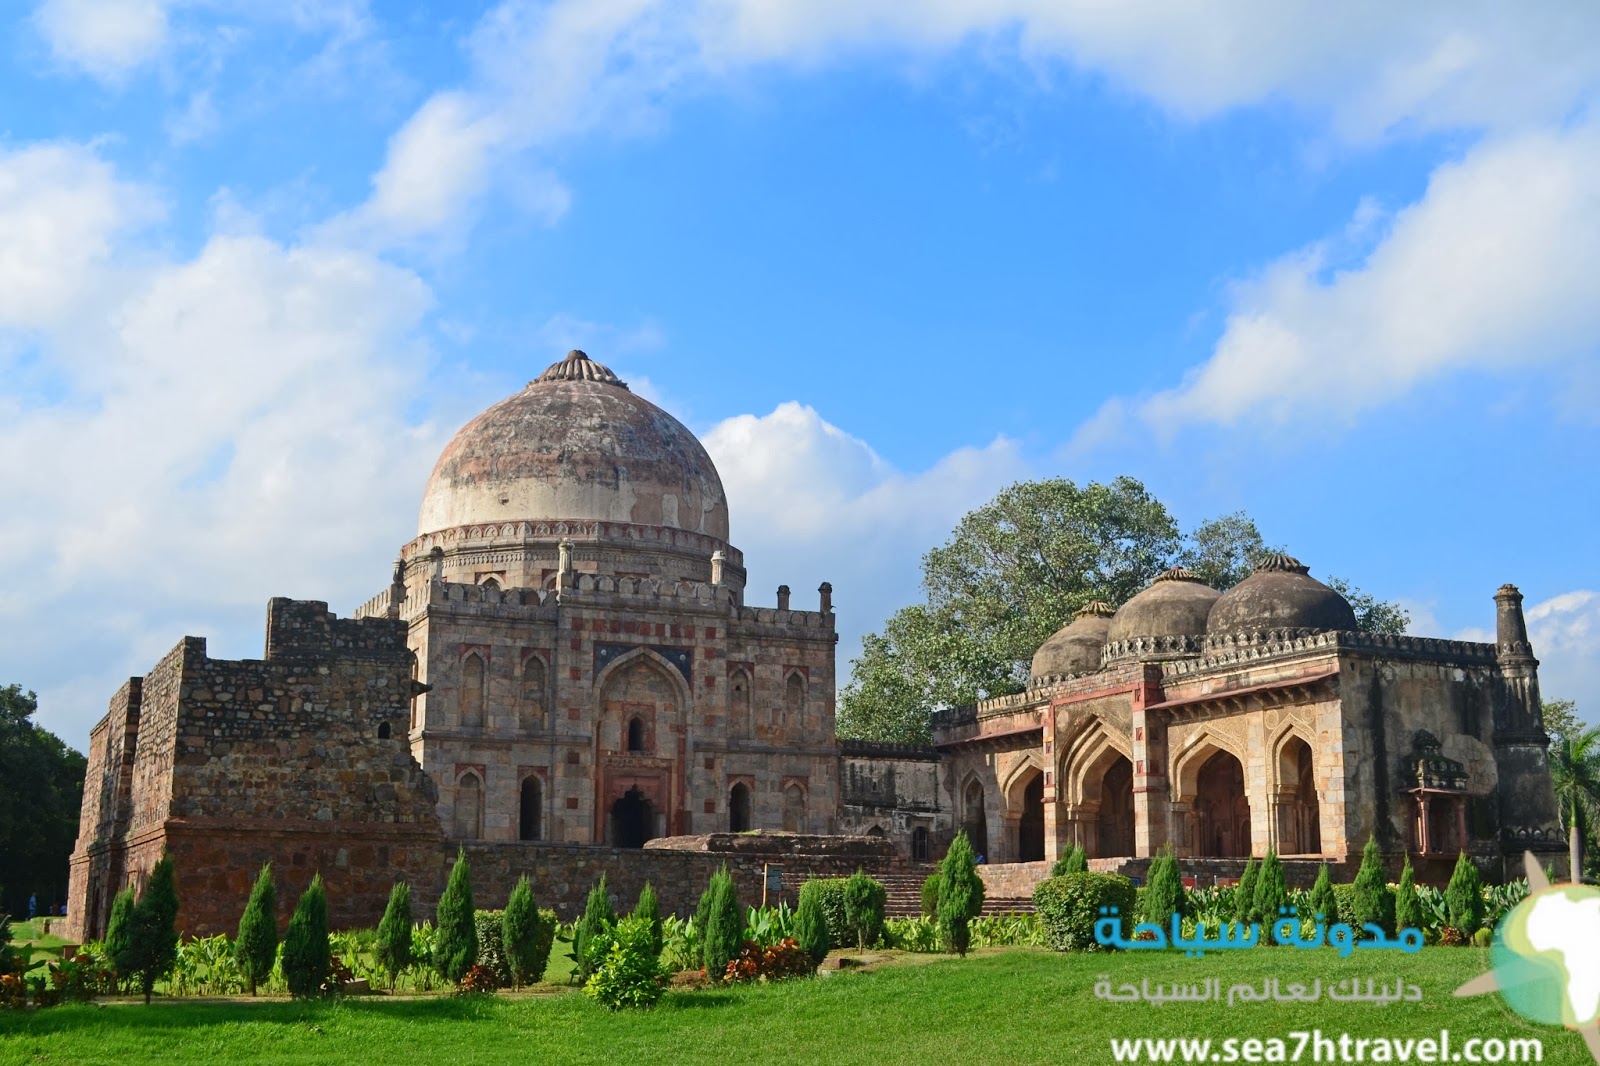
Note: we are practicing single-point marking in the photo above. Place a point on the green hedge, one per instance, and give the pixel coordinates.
(1069, 906)
(830, 895)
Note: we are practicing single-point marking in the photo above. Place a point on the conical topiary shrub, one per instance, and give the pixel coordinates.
(1271, 894)
(598, 917)
(1463, 897)
(394, 933)
(305, 943)
(1324, 904)
(1244, 894)
(1373, 903)
(961, 895)
(455, 948)
(1407, 907)
(257, 947)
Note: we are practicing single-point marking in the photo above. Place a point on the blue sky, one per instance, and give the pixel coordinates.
(1333, 267)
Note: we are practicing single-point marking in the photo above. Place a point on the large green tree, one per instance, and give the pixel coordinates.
(41, 790)
(1575, 772)
(1013, 572)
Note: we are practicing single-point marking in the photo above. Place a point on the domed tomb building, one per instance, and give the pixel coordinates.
(1227, 724)
(578, 617)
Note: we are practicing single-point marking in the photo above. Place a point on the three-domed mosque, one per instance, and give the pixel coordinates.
(564, 668)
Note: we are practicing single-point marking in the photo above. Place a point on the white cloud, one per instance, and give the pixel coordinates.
(105, 38)
(1490, 270)
(809, 502)
(61, 210)
(544, 71)
(220, 429)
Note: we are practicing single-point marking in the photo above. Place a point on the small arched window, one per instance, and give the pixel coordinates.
(472, 691)
(491, 583)
(794, 808)
(739, 808)
(469, 807)
(635, 735)
(919, 844)
(383, 731)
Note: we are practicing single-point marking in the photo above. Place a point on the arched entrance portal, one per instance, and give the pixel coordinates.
(1299, 821)
(529, 810)
(633, 820)
(1114, 820)
(1222, 813)
(1030, 826)
(739, 808)
(974, 819)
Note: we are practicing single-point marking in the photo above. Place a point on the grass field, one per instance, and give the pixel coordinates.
(1013, 1006)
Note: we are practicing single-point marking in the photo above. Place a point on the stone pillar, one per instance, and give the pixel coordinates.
(717, 559)
(1521, 746)
(436, 557)
(826, 591)
(783, 597)
(1151, 790)
(563, 564)
(397, 589)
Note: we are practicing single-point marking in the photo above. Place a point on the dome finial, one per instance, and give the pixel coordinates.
(577, 366)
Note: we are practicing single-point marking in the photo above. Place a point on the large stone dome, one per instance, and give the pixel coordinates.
(1165, 621)
(1280, 595)
(1075, 648)
(576, 446)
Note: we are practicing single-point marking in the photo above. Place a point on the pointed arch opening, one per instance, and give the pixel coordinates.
(472, 679)
(1299, 812)
(533, 690)
(794, 808)
(633, 819)
(468, 822)
(919, 844)
(974, 817)
(739, 808)
(635, 734)
(739, 704)
(530, 809)
(1221, 808)
(794, 701)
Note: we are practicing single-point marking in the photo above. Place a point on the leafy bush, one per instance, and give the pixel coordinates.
(597, 919)
(1069, 906)
(1483, 937)
(629, 973)
(1271, 893)
(152, 943)
(811, 926)
(490, 929)
(650, 910)
(1451, 937)
(1463, 897)
(768, 925)
(724, 924)
(1005, 931)
(479, 980)
(930, 895)
(1323, 904)
(1244, 896)
(829, 892)
(1212, 905)
(1164, 896)
(119, 929)
(209, 965)
(778, 962)
(305, 944)
(1344, 897)
(1374, 902)
(1407, 907)
(79, 978)
(1498, 899)
(919, 934)
(683, 939)
(864, 900)
(455, 948)
(394, 942)
(257, 947)
(960, 894)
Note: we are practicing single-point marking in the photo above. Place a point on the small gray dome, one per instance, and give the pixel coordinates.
(1165, 621)
(1281, 594)
(1075, 648)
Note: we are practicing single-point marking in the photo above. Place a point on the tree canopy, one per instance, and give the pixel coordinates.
(1014, 571)
(41, 790)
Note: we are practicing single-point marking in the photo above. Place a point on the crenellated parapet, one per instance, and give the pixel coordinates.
(306, 629)
(1285, 643)
(1152, 649)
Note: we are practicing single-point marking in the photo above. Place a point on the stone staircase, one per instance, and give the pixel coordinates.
(903, 889)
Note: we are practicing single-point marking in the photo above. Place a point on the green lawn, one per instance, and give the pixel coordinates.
(999, 1007)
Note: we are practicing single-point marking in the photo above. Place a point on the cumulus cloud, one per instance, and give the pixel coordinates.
(106, 39)
(1490, 270)
(545, 71)
(810, 503)
(218, 429)
(61, 210)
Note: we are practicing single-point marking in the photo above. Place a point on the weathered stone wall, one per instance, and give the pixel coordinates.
(283, 760)
(895, 790)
